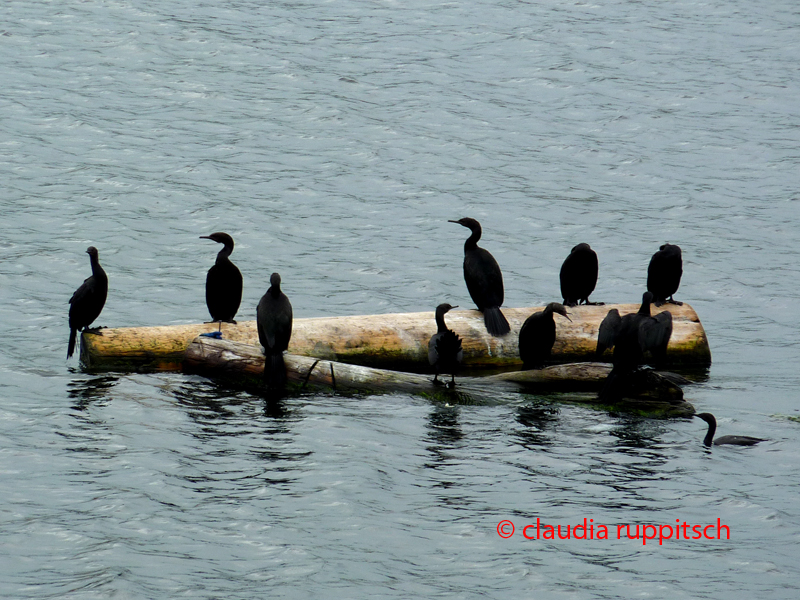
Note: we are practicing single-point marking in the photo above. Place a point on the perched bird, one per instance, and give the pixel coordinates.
(223, 282)
(538, 334)
(484, 280)
(631, 337)
(87, 302)
(634, 334)
(274, 320)
(579, 276)
(664, 274)
(444, 348)
(734, 440)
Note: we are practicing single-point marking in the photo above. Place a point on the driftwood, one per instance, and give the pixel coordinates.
(244, 363)
(392, 341)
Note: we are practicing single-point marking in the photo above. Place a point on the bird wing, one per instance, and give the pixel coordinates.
(654, 333)
(607, 336)
(83, 290)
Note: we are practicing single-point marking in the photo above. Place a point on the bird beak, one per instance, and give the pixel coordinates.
(452, 307)
(452, 221)
(205, 237)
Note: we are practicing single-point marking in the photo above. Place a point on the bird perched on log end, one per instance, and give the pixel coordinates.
(731, 440)
(274, 322)
(664, 274)
(444, 348)
(631, 337)
(634, 334)
(579, 276)
(87, 301)
(484, 280)
(538, 334)
(223, 282)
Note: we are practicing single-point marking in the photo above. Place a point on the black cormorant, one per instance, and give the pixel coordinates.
(87, 302)
(538, 334)
(274, 320)
(484, 280)
(223, 282)
(579, 275)
(631, 336)
(634, 334)
(664, 274)
(734, 440)
(444, 348)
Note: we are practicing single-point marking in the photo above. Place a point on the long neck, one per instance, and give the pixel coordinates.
(97, 270)
(440, 326)
(225, 253)
(275, 290)
(712, 428)
(472, 240)
(644, 309)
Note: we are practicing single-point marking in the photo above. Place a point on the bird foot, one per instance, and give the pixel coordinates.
(671, 301)
(451, 385)
(95, 330)
(436, 381)
(587, 303)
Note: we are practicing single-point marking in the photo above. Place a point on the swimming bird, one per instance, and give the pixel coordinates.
(484, 280)
(579, 276)
(538, 334)
(444, 348)
(223, 282)
(87, 301)
(274, 321)
(664, 274)
(733, 440)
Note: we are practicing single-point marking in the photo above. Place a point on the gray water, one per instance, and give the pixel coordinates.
(334, 141)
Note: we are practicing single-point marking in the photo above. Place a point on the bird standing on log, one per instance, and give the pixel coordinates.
(444, 348)
(631, 336)
(484, 280)
(274, 321)
(733, 440)
(579, 276)
(87, 302)
(223, 282)
(664, 274)
(538, 334)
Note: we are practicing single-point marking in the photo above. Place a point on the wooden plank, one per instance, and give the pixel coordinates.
(394, 341)
(244, 365)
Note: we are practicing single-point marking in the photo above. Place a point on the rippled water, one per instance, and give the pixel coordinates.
(333, 141)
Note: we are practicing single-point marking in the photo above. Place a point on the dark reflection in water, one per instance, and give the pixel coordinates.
(637, 433)
(537, 417)
(444, 433)
(90, 391)
(262, 425)
(215, 406)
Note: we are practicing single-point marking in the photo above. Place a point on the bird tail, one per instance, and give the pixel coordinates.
(495, 321)
(73, 334)
(275, 371)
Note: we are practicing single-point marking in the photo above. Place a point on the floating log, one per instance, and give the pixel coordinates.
(393, 341)
(244, 364)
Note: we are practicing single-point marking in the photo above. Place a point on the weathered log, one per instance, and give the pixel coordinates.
(395, 341)
(244, 364)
